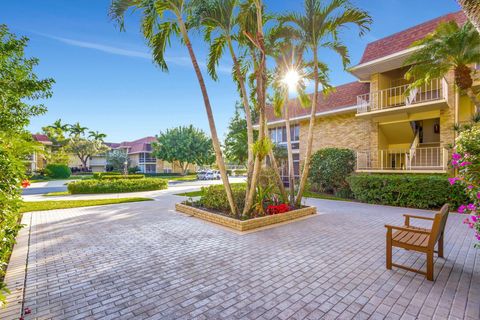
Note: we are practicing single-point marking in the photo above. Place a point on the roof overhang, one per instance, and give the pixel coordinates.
(393, 61)
(317, 115)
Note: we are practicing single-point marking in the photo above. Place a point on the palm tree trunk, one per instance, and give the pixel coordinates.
(291, 172)
(308, 152)
(248, 115)
(474, 98)
(472, 11)
(211, 120)
(276, 170)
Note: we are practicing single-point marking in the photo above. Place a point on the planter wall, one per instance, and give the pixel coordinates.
(245, 225)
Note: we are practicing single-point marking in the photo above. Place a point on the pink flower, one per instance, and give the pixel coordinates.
(462, 208)
(470, 187)
(456, 156)
(465, 163)
(466, 221)
(471, 207)
(474, 219)
(478, 195)
(454, 163)
(453, 180)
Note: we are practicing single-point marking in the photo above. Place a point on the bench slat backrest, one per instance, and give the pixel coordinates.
(438, 226)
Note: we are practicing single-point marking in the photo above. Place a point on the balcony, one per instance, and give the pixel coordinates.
(428, 160)
(397, 98)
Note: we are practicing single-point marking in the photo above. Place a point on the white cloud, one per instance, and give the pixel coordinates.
(182, 61)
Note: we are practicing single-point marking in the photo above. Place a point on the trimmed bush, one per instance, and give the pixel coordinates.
(329, 169)
(162, 174)
(58, 171)
(99, 175)
(114, 186)
(118, 177)
(406, 190)
(215, 198)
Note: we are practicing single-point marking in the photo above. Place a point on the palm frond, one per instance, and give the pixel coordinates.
(217, 48)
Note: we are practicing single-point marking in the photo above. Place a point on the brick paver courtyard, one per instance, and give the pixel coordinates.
(143, 260)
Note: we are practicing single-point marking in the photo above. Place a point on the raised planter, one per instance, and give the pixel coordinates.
(245, 225)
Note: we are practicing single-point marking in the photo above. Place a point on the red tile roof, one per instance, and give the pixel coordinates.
(344, 95)
(403, 39)
(43, 138)
(140, 145)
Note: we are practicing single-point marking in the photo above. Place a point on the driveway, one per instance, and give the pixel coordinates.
(37, 190)
(145, 261)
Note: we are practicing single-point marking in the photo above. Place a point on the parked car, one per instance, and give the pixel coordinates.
(212, 175)
(201, 174)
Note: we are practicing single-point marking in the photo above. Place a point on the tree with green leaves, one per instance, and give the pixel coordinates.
(319, 26)
(20, 88)
(77, 129)
(184, 145)
(116, 159)
(450, 47)
(236, 141)
(84, 148)
(96, 135)
(160, 21)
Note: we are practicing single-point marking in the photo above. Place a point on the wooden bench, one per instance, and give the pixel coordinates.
(418, 239)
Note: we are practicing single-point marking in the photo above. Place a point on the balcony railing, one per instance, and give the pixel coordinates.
(148, 160)
(418, 159)
(398, 97)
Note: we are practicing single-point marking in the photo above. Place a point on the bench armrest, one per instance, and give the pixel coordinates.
(390, 227)
(418, 217)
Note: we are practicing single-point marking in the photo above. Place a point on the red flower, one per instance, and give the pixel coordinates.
(25, 183)
(281, 208)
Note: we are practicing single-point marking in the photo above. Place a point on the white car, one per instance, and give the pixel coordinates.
(212, 175)
(201, 175)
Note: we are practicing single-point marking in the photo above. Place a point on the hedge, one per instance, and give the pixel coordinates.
(58, 171)
(215, 197)
(98, 175)
(118, 177)
(406, 190)
(114, 186)
(329, 168)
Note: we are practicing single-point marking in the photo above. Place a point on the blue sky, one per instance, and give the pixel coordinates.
(106, 80)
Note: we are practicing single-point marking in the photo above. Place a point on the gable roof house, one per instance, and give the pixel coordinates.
(388, 130)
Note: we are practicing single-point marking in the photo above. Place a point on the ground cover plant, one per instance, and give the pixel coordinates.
(116, 186)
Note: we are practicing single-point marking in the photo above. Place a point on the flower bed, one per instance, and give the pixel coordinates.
(244, 225)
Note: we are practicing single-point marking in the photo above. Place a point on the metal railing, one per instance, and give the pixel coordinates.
(429, 158)
(394, 97)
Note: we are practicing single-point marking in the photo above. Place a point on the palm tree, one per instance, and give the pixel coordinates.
(77, 130)
(220, 20)
(472, 11)
(319, 27)
(96, 135)
(160, 21)
(58, 126)
(448, 47)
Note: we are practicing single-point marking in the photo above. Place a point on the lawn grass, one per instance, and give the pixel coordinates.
(53, 205)
(57, 194)
(324, 196)
(191, 194)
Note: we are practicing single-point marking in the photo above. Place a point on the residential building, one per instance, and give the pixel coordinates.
(37, 161)
(140, 154)
(389, 129)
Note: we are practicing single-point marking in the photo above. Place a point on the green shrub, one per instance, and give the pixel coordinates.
(99, 175)
(329, 169)
(58, 171)
(162, 174)
(406, 190)
(118, 177)
(215, 197)
(240, 172)
(114, 186)
(133, 170)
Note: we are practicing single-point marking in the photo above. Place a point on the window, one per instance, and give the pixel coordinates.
(150, 168)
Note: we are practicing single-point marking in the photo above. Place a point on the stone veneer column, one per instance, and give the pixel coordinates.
(447, 115)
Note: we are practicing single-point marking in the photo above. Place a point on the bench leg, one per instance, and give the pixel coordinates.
(430, 266)
(389, 250)
(440, 246)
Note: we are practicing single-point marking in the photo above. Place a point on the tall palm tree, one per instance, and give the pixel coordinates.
(472, 11)
(319, 26)
(160, 21)
(448, 47)
(77, 129)
(96, 135)
(220, 20)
